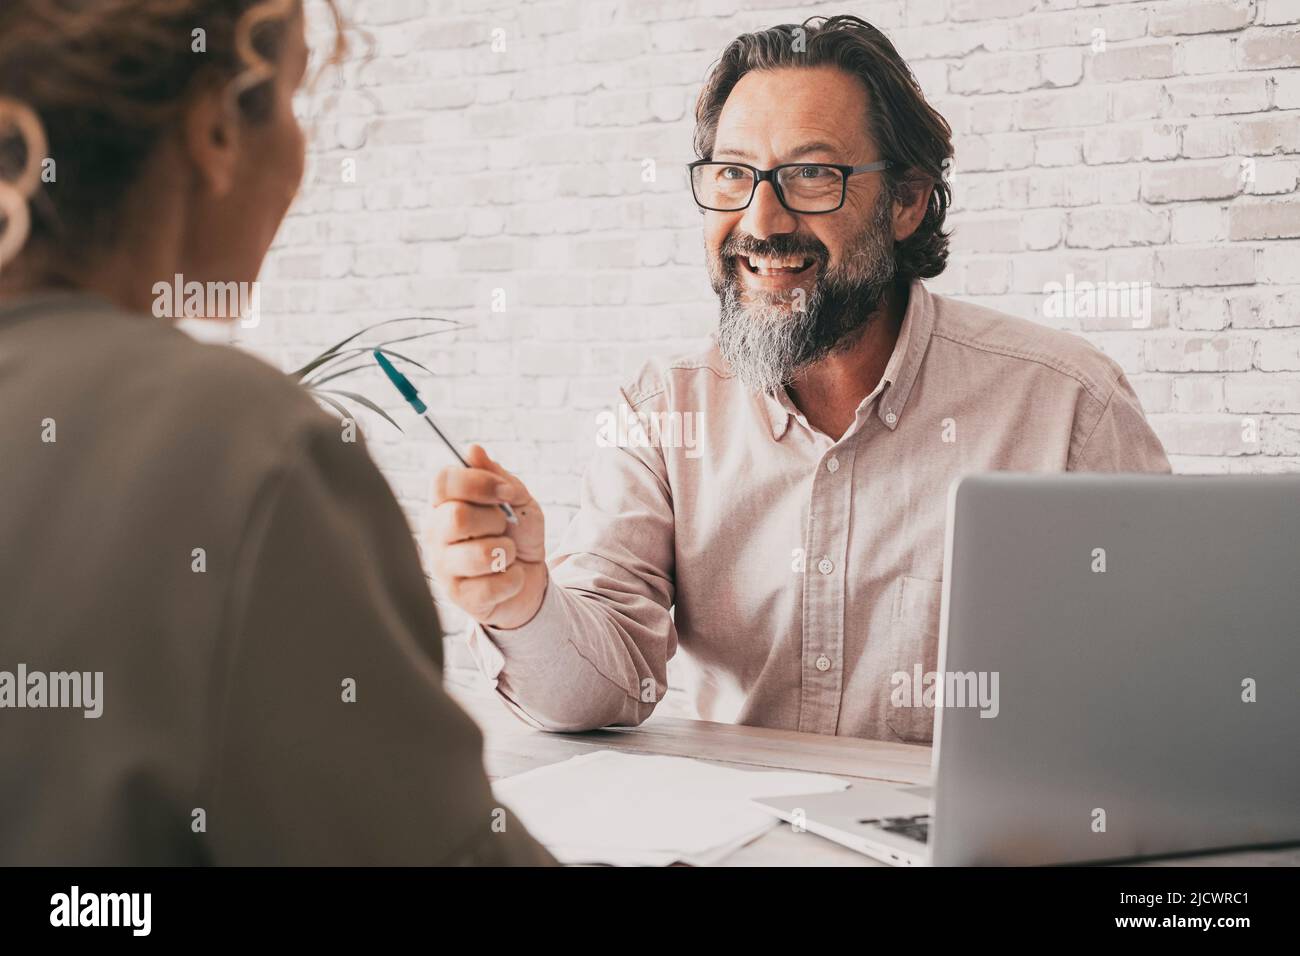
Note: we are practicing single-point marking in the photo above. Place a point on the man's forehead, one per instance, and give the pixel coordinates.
(788, 111)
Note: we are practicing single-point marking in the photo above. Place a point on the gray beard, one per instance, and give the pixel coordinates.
(767, 341)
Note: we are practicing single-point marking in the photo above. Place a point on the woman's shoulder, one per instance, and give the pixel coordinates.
(142, 374)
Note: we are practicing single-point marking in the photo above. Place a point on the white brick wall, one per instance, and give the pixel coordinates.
(1152, 142)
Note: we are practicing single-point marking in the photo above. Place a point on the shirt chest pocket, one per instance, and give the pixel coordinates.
(914, 640)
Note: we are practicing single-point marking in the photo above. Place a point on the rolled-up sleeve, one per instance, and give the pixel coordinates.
(596, 653)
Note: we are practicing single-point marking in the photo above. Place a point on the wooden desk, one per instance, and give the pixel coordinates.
(512, 747)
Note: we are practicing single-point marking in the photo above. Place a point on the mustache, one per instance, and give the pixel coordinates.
(774, 247)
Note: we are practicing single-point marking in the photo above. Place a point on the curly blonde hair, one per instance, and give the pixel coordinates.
(92, 86)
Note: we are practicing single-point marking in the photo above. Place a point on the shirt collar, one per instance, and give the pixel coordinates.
(900, 372)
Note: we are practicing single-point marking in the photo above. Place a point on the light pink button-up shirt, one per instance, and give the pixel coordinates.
(797, 574)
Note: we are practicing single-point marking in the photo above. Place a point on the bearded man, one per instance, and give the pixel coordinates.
(794, 555)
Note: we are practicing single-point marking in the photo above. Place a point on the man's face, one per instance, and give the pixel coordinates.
(794, 287)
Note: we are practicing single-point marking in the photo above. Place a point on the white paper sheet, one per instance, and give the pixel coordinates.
(633, 810)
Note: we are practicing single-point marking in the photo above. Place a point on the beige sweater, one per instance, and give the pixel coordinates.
(226, 735)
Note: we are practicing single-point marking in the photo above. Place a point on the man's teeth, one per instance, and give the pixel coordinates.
(771, 267)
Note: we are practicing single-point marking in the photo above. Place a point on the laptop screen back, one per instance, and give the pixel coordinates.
(1145, 636)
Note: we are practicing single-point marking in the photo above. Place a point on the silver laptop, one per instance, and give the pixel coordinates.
(1145, 630)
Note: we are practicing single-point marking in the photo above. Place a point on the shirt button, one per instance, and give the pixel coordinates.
(833, 465)
(823, 663)
(825, 566)
(891, 417)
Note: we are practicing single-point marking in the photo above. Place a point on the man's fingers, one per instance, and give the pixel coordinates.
(476, 485)
(478, 457)
(455, 521)
(481, 595)
(478, 557)
(511, 488)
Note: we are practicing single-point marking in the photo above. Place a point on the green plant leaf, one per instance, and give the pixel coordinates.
(418, 335)
(360, 400)
(337, 406)
(330, 352)
(322, 379)
(322, 360)
(300, 374)
(314, 382)
(399, 355)
(370, 328)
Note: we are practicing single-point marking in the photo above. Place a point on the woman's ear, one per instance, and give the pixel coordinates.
(211, 140)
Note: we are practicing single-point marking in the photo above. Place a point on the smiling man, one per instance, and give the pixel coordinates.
(794, 558)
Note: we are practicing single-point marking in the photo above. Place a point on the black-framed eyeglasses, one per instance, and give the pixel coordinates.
(805, 188)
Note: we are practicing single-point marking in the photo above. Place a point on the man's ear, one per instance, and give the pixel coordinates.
(211, 131)
(912, 199)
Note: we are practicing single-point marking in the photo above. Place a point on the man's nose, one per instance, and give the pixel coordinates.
(766, 217)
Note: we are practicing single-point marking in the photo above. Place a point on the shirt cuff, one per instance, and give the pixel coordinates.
(486, 655)
(493, 648)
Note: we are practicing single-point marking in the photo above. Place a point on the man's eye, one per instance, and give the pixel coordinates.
(812, 172)
(732, 172)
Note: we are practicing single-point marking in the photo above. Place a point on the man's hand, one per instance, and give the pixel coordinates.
(492, 570)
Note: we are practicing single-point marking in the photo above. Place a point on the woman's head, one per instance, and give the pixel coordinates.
(162, 129)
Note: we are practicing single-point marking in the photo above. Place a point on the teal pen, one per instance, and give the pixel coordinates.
(403, 385)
